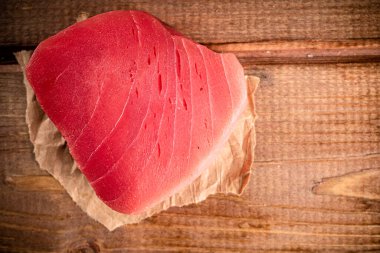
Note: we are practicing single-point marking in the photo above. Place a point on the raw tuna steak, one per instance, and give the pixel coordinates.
(142, 108)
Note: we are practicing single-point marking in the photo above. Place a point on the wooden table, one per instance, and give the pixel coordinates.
(316, 180)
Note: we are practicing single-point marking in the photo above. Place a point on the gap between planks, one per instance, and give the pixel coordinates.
(300, 52)
(273, 52)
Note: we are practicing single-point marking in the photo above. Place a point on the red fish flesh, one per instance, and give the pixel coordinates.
(143, 109)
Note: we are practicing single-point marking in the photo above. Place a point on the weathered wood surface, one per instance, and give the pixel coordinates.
(301, 51)
(316, 180)
(317, 135)
(27, 22)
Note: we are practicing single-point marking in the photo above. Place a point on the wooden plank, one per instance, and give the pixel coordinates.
(27, 22)
(15, 147)
(220, 223)
(316, 123)
(364, 184)
(301, 52)
(33, 183)
(280, 52)
(317, 111)
(14, 67)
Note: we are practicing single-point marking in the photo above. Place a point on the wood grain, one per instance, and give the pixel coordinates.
(274, 52)
(315, 184)
(363, 184)
(301, 52)
(27, 22)
(315, 122)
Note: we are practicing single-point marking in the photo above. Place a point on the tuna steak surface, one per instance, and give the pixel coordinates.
(143, 109)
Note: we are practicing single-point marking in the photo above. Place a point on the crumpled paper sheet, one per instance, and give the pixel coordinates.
(229, 173)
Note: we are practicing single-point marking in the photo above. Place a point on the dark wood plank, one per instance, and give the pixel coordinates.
(282, 52)
(27, 22)
(15, 146)
(301, 52)
(316, 124)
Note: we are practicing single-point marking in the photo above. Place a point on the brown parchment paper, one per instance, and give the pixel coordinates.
(229, 173)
